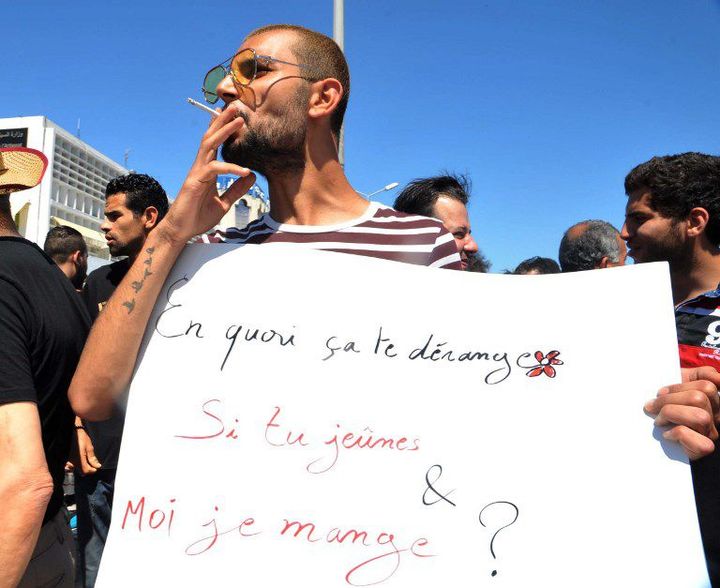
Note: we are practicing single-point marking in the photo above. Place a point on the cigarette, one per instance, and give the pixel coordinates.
(202, 106)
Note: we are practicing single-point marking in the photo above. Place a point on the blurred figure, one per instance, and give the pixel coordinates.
(134, 205)
(67, 248)
(673, 215)
(43, 327)
(536, 266)
(591, 244)
(444, 198)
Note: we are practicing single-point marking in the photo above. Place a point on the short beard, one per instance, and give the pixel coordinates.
(673, 250)
(275, 148)
(266, 154)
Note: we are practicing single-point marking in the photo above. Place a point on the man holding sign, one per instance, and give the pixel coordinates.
(285, 99)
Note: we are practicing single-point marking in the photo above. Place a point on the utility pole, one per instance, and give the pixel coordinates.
(339, 37)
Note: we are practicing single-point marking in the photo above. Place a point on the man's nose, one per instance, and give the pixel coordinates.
(105, 226)
(226, 90)
(471, 245)
(624, 234)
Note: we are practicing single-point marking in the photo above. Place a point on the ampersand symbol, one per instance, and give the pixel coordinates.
(431, 488)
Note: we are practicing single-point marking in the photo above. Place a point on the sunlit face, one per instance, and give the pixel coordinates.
(124, 230)
(453, 214)
(273, 106)
(649, 235)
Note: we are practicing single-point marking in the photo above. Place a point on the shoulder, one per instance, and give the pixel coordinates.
(109, 271)
(443, 251)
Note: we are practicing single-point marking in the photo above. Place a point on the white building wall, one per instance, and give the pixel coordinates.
(73, 187)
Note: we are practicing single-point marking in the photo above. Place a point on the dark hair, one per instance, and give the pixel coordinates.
(323, 58)
(420, 195)
(478, 263)
(679, 183)
(140, 192)
(584, 249)
(61, 242)
(542, 265)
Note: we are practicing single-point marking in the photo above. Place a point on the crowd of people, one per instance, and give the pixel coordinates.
(285, 93)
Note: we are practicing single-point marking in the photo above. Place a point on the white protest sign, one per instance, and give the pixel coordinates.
(314, 419)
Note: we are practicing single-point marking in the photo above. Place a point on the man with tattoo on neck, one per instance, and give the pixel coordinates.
(285, 94)
(43, 326)
(134, 205)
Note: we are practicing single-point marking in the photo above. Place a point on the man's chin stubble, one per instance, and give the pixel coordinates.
(261, 157)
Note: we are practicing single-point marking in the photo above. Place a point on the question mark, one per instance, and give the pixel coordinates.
(517, 513)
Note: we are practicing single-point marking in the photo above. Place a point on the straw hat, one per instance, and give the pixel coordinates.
(20, 168)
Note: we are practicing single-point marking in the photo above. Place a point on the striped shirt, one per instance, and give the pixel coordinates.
(380, 232)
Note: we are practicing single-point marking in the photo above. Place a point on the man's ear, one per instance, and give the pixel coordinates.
(603, 262)
(150, 217)
(324, 98)
(697, 221)
(75, 257)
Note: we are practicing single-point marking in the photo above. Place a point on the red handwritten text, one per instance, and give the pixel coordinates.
(155, 520)
(216, 426)
(369, 572)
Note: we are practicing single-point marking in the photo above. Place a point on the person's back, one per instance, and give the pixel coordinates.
(44, 329)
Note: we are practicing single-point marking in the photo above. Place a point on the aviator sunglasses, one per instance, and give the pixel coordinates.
(243, 68)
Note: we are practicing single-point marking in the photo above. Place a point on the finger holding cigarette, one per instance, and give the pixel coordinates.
(203, 107)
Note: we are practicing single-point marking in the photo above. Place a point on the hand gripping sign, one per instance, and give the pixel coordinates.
(315, 419)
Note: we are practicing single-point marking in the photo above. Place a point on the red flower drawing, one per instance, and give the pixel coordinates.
(545, 364)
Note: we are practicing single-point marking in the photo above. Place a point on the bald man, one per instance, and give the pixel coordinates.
(591, 244)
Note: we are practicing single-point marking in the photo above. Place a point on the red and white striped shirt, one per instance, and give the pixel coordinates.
(380, 232)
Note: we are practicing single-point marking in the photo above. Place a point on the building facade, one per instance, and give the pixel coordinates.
(73, 190)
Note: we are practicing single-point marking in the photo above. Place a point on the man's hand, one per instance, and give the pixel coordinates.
(116, 336)
(691, 410)
(198, 207)
(85, 460)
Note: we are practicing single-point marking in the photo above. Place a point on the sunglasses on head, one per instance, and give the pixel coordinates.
(242, 68)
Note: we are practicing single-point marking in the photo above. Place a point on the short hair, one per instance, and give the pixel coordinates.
(141, 191)
(585, 251)
(421, 194)
(323, 58)
(679, 183)
(542, 265)
(61, 242)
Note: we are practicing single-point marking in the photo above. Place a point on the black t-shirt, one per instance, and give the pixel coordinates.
(105, 435)
(43, 326)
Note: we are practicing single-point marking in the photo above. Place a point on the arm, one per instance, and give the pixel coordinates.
(691, 410)
(108, 360)
(25, 488)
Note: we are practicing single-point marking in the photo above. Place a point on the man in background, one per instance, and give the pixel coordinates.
(67, 248)
(444, 198)
(134, 205)
(591, 244)
(535, 266)
(43, 326)
(673, 215)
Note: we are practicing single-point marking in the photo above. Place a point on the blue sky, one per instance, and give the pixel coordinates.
(546, 105)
